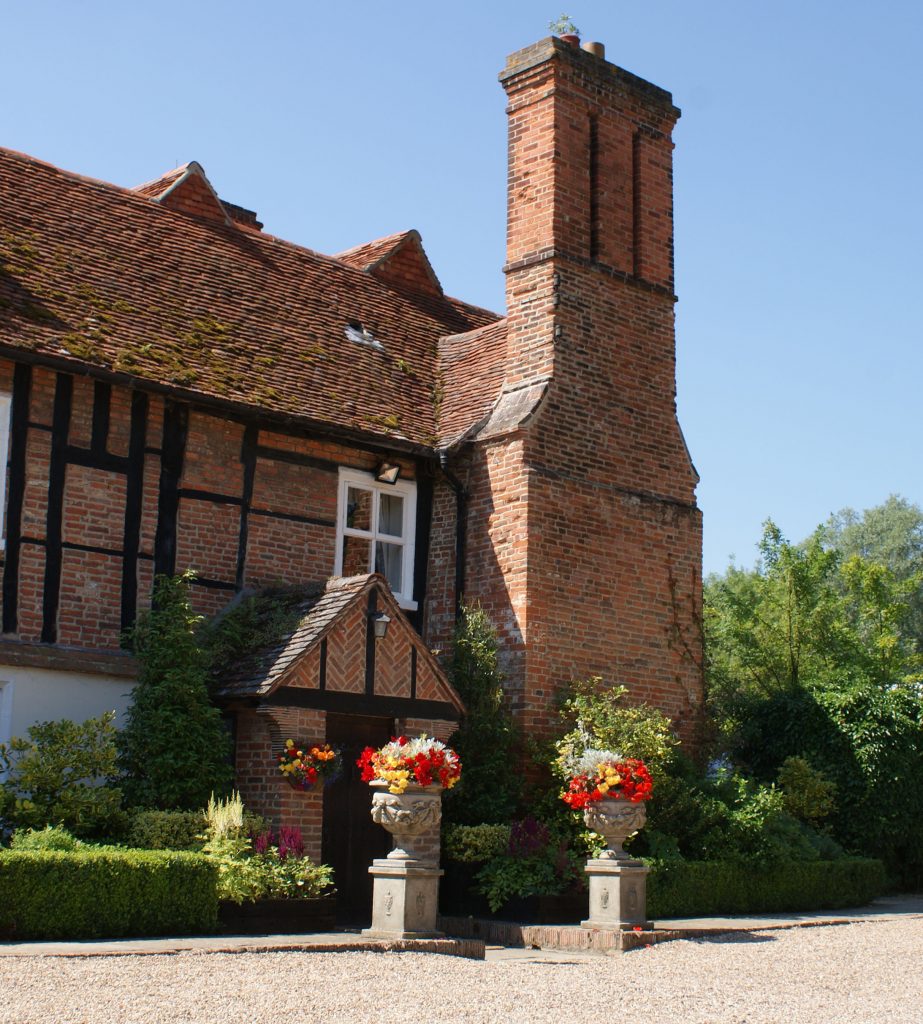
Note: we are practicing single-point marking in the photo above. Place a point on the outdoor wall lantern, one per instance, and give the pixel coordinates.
(387, 473)
(380, 624)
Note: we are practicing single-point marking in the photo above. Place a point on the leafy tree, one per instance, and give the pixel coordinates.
(890, 534)
(811, 655)
(174, 751)
(804, 616)
(489, 789)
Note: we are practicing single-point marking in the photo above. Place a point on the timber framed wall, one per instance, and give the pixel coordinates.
(108, 486)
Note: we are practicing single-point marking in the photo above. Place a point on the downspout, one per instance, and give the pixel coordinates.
(461, 516)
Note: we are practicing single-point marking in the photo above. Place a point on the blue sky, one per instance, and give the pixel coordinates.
(798, 210)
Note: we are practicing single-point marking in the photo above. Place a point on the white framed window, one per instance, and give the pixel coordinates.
(375, 531)
(5, 405)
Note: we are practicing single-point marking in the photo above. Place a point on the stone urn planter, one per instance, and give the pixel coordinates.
(413, 819)
(615, 820)
(406, 882)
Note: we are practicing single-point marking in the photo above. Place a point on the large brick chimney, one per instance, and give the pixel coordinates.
(590, 517)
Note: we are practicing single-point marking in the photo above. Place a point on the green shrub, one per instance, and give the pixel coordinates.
(490, 788)
(174, 750)
(866, 740)
(536, 862)
(701, 888)
(600, 720)
(290, 877)
(475, 844)
(51, 837)
(253, 864)
(95, 893)
(167, 830)
(55, 776)
(808, 794)
(177, 830)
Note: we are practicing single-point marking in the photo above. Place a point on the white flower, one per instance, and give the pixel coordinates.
(586, 762)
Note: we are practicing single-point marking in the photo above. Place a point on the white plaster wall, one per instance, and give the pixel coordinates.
(30, 695)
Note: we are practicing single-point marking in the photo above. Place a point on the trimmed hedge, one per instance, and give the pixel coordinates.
(702, 888)
(105, 893)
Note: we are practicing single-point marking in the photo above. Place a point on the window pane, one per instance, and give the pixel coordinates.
(388, 561)
(391, 515)
(359, 509)
(356, 552)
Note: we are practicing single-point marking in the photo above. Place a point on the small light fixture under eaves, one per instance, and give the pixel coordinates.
(387, 472)
(380, 625)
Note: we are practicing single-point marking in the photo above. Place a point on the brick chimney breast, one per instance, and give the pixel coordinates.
(584, 539)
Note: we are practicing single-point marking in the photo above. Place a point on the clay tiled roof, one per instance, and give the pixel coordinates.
(130, 282)
(259, 673)
(472, 367)
(158, 186)
(364, 256)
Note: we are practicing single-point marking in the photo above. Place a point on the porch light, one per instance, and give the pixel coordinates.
(380, 625)
(387, 473)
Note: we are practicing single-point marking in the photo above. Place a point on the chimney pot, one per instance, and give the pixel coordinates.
(597, 49)
(571, 40)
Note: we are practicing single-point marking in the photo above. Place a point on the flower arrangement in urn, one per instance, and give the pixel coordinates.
(597, 774)
(611, 790)
(303, 766)
(404, 762)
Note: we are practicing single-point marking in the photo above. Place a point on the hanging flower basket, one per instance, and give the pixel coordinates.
(302, 767)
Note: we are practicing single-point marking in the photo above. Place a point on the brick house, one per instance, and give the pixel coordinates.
(179, 390)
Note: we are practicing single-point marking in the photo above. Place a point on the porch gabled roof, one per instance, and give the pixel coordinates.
(339, 611)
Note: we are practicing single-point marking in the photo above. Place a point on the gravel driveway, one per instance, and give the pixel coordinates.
(865, 973)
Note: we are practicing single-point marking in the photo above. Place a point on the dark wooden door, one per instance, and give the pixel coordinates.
(350, 838)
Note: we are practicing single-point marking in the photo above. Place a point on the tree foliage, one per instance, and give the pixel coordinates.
(806, 616)
(174, 751)
(812, 655)
(890, 534)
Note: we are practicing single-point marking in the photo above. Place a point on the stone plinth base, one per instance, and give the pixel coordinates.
(618, 894)
(405, 900)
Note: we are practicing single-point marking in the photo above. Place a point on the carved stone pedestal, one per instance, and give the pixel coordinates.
(405, 900)
(405, 894)
(618, 894)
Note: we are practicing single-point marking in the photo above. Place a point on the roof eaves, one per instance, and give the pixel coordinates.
(367, 439)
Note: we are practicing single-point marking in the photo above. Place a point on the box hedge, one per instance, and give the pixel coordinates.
(105, 893)
(703, 888)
